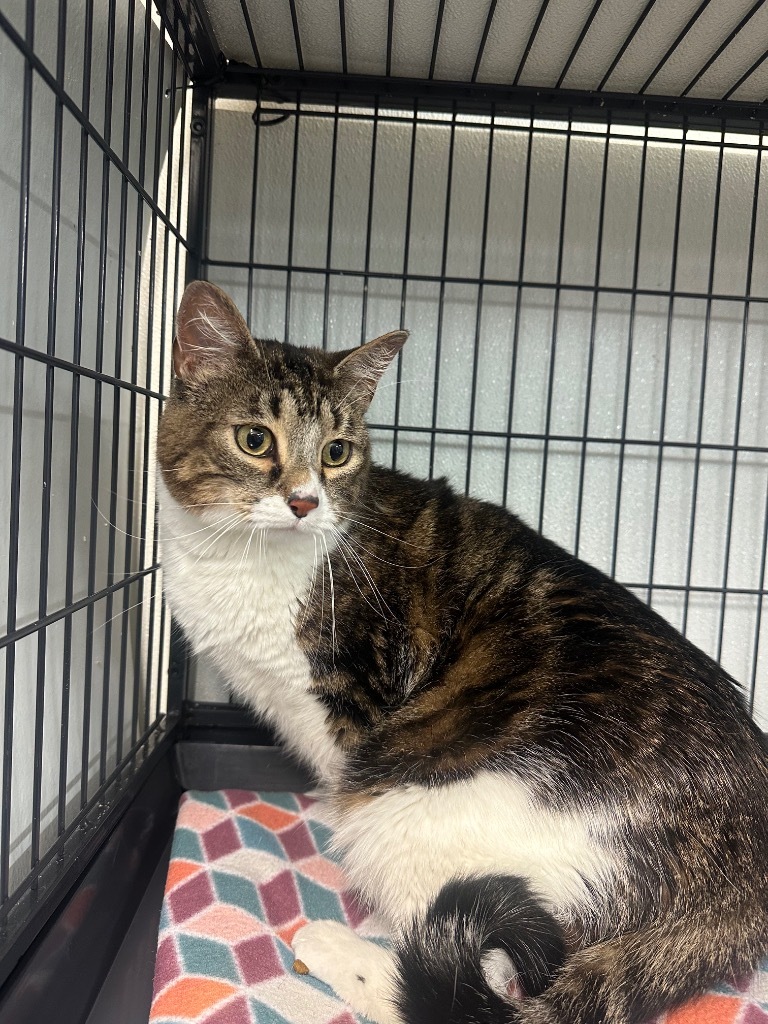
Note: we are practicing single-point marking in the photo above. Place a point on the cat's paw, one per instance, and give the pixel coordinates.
(359, 972)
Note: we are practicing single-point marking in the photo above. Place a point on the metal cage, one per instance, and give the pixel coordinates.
(565, 202)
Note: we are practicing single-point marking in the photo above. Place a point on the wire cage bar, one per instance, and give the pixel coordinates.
(587, 306)
(565, 203)
(94, 171)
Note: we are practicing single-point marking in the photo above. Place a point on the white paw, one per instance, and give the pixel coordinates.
(359, 972)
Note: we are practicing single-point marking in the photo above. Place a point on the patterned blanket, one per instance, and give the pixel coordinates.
(247, 871)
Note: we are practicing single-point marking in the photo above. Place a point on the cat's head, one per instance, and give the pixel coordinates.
(271, 433)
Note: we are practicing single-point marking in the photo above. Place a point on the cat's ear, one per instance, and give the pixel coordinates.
(208, 327)
(361, 369)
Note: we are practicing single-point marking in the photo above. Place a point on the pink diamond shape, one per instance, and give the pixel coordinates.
(297, 841)
(238, 797)
(191, 897)
(355, 911)
(167, 967)
(233, 1012)
(305, 801)
(258, 960)
(280, 899)
(221, 840)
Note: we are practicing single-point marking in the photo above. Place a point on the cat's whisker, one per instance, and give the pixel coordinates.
(333, 600)
(386, 561)
(224, 528)
(367, 526)
(345, 544)
(247, 547)
(311, 591)
(357, 585)
(117, 615)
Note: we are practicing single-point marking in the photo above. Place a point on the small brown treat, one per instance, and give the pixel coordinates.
(300, 967)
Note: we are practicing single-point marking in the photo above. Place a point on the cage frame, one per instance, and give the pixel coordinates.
(214, 741)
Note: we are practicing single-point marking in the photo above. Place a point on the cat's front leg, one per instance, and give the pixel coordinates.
(360, 972)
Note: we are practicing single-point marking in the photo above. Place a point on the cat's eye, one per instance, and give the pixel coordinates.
(336, 453)
(255, 440)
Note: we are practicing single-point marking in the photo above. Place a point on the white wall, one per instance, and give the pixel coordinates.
(100, 431)
(519, 325)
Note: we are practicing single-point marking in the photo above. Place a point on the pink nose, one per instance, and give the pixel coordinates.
(301, 505)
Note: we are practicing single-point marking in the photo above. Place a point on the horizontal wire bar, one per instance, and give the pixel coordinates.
(77, 369)
(394, 275)
(87, 126)
(240, 81)
(77, 606)
(640, 442)
(541, 127)
(693, 588)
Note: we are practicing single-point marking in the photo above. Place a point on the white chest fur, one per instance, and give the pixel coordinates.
(237, 597)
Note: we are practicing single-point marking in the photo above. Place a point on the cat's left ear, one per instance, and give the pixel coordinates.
(361, 369)
(209, 327)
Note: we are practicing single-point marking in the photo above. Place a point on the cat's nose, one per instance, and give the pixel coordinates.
(301, 504)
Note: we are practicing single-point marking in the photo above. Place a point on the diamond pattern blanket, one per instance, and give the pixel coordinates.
(247, 871)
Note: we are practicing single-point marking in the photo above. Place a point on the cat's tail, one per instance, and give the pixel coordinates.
(453, 965)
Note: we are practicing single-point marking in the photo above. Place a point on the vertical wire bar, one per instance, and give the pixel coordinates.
(251, 35)
(577, 45)
(74, 437)
(480, 297)
(555, 322)
(484, 39)
(739, 398)
(530, 41)
(296, 36)
(703, 385)
(50, 381)
(369, 221)
(764, 546)
(592, 335)
(170, 93)
(723, 46)
(441, 299)
(292, 221)
(671, 49)
(16, 453)
(131, 474)
(116, 398)
(759, 614)
(747, 74)
(254, 200)
(329, 236)
(667, 359)
(97, 398)
(404, 286)
(174, 677)
(390, 33)
(518, 305)
(436, 38)
(630, 346)
(145, 659)
(626, 43)
(343, 37)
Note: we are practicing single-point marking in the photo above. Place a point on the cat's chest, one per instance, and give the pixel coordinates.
(238, 599)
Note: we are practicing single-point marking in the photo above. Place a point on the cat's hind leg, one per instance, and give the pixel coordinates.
(360, 972)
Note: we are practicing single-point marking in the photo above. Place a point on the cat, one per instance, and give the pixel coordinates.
(558, 804)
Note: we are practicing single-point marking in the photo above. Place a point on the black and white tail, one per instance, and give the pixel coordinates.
(446, 962)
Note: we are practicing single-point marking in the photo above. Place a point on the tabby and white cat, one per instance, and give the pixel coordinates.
(558, 803)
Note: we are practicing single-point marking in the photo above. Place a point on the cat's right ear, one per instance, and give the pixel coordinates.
(209, 327)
